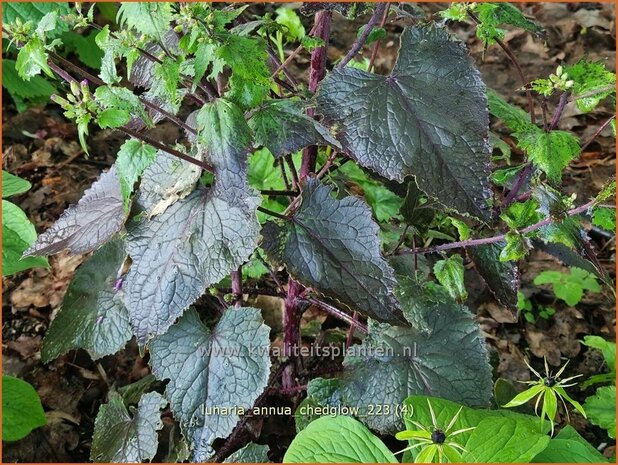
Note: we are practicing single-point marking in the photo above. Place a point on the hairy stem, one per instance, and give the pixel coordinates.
(596, 133)
(518, 68)
(519, 182)
(291, 330)
(178, 154)
(376, 46)
(337, 313)
(555, 119)
(317, 71)
(358, 44)
(494, 239)
(237, 286)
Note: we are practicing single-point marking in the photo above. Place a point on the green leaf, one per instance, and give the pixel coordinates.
(601, 409)
(152, 19)
(250, 81)
(225, 368)
(520, 215)
(32, 59)
(604, 218)
(551, 152)
(13, 185)
(384, 204)
(501, 277)
(449, 359)
(338, 439)
(92, 316)
(35, 11)
(113, 118)
(332, 246)
(569, 447)
(450, 273)
(288, 18)
(515, 247)
(127, 436)
(283, 127)
(449, 159)
(570, 286)
(225, 136)
(251, 453)
(493, 15)
(591, 78)
(514, 118)
(133, 158)
(607, 348)
(416, 409)
(525, 396)
(17, 235)
(121, 98)
(85, 47)
(21, 409)
(36, 91)
(504, 440)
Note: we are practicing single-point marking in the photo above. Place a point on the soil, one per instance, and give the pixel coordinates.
(41, 146)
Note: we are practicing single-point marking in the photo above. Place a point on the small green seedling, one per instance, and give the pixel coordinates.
(434, 440)
(548, 388)
(570, 286)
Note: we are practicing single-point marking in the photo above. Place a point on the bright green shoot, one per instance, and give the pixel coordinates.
(434, 441)
(548, 389)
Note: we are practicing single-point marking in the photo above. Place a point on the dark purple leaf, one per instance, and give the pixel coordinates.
(82, 228)
(428, 119)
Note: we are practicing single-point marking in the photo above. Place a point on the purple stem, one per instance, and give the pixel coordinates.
(596, 133)
(519, 182)
(317, 71)
(291, 330)
(358, 44)
(237, 286)
(494, 239)
(555, 119)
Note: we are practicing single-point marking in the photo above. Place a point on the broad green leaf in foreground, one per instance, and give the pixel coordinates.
(569, 447)
(17, 235)
(338, 439)
(428, 119)
(13, 185)
(417, 410)
(601, 409)
(283, 128)
(127, 436)
(226, 367)
(332, 246)
(93, 316)
(21, 409)
(82, 228)
(503, 440)
(502, 278)
(448, 360)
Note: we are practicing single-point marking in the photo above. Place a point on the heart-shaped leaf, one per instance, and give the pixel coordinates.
(428, 119)
(93, 316)
(332, 246)
(122, 437)
(212, 373)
